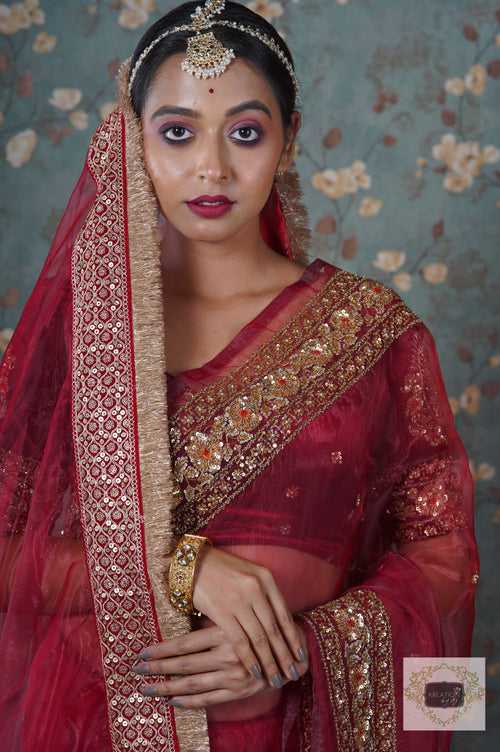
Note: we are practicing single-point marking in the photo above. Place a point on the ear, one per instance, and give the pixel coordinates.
(288, 154)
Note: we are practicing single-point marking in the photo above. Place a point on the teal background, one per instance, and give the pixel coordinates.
(383, 83)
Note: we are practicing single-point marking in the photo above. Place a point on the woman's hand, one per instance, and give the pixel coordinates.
(207, 669)
(242, 598)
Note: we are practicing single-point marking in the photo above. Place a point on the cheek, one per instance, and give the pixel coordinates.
(165, 173)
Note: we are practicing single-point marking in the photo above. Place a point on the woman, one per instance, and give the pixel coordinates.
(179, 369)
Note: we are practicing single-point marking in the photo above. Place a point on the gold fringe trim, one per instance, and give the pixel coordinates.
(296, 214)
(152, 411)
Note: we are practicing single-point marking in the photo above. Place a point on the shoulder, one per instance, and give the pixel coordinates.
(374, 301)
(371, 316)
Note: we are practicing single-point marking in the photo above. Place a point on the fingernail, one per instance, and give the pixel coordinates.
(176, 703)
(140, 668)
(277, 681)
(294, 672)
(149, 691)
(256, 671)
(143, 655)
(301, 654)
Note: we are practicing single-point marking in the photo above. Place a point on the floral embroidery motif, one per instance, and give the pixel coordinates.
(336, 457)
(421, 410)
(427, 501)
(227, 433)
(355, 640)
(292, 492)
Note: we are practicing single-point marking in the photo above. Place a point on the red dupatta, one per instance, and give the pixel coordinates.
(347, 519)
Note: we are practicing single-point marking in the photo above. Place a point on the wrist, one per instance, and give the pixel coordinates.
(183, 565)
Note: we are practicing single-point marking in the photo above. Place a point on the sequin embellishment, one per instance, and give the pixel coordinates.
(227, 433)
(355, 640)
(427, 501)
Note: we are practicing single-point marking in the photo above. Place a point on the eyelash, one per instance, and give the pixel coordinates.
(186, 140)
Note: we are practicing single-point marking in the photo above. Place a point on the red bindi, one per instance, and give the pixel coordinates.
(211, 91)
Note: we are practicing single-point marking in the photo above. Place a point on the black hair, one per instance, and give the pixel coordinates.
(243, 44)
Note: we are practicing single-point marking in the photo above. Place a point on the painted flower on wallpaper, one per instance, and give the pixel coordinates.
(5, 336)
(403, 281)
(474, 81)
(455, 86)
(20, 147)
(79, 119)
(389, 261)
(370, 206)
(65, 98)
(18, 16)
(484, 471)
(338, 183)
(44, 42)
(268, 10)
(464, 161)
(470, 399)
(135, 13)
(435, 273)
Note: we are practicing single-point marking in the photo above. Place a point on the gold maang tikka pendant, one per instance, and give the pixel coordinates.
(206, 57)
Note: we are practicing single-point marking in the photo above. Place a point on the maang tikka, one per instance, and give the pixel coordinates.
(206, 56)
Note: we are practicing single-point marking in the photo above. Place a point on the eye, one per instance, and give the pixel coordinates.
(246, 128)
(175, 128)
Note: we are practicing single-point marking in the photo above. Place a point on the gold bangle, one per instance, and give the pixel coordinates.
(185, 558)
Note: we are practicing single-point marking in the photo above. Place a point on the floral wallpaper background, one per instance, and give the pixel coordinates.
(399, 157)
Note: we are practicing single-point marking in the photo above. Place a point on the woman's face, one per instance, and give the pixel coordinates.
(207, 149)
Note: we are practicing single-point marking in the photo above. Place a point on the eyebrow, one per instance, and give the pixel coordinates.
(252, 104)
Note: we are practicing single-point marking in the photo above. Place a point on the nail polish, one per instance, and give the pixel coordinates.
(301, 654)
(277, 681)
(176, 703)
(294, 672)
(140, 668)
(256, 671)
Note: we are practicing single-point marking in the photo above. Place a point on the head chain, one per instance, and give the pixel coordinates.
(191, 63)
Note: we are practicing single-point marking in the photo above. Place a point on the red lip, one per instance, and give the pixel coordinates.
(210, 198)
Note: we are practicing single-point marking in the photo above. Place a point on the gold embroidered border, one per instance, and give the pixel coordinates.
(125, 498)
(225, 436)
(355, 641)
(156, 474)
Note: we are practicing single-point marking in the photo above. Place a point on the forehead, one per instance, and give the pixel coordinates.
(241, 80)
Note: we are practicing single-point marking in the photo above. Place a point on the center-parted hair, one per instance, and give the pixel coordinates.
(244, 45)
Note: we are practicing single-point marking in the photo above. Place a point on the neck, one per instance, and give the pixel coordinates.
(217, 271)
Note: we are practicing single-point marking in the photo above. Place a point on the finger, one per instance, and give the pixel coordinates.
(282, 613)
(192, 663)
(261, 645)
(242, 646)
(236, 679)
(274, 635)
(192, 642)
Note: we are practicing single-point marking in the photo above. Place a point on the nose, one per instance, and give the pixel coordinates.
(213, 159)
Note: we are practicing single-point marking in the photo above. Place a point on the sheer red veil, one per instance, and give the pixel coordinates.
(85, 473)
(87, 496)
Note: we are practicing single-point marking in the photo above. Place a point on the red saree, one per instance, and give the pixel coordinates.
(319, 442)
